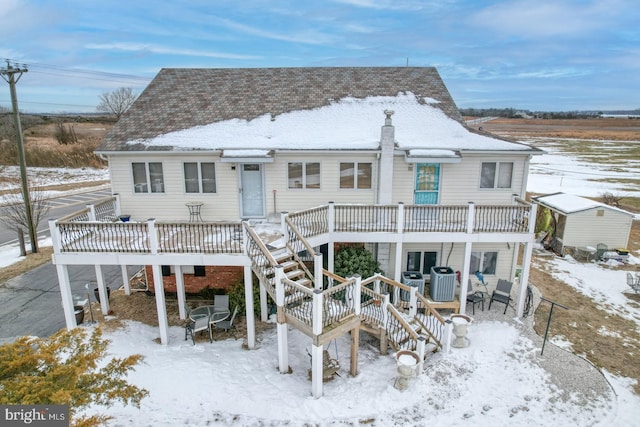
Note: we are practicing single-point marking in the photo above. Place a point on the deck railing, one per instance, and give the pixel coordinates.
(200, 237)
(217, 238)
(366, 218)
(120, 237)
(311, 222)
(105, 209)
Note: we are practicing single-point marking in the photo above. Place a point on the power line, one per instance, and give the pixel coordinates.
(99, 75)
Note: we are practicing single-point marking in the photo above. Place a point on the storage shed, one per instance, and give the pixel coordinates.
(582, 222)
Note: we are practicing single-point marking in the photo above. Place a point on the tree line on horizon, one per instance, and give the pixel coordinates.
(520, 113)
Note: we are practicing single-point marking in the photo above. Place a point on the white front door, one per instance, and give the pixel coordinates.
(252, 190)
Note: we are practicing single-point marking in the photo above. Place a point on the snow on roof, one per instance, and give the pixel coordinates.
(347, 124)
(569, 203)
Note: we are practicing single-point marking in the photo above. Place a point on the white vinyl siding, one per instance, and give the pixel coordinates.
(586, 228)
(171, 205)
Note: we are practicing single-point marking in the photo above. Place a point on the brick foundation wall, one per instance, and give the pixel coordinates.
(215, 277)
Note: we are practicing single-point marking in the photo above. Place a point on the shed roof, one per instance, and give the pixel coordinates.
(569, 203)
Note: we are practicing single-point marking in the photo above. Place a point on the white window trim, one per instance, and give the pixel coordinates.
(304, 176)
(355, 177)
(481, 259)
(496, 177)
(147, 183)
(200, 183)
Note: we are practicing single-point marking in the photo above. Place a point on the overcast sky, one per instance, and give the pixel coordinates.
(527, 54)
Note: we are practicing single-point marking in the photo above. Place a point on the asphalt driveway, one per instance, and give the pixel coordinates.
(30, 304)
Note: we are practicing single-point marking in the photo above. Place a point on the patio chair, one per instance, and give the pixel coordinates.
(633, 282)
(227, 325)
(221, 303)
(474, 297)
(502, 294)
(194, 324)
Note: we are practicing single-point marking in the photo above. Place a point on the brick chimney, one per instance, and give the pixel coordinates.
(387, 147)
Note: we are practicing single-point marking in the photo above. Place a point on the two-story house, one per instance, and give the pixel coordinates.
(382, 152)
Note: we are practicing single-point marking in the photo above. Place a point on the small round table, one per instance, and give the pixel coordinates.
(194, 211)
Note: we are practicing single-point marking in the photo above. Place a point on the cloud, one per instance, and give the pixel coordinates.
(545, 18)
(143, 47)
(391, 4)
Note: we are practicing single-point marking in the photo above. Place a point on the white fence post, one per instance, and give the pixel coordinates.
(281, 327)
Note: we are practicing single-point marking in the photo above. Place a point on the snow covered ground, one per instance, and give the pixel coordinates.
(498, 380)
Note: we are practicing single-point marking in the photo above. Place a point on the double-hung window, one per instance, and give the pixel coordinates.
(199, 177)
(355, 175)
(303, 175)
(496, 175)
(147, 177)
(484, 262)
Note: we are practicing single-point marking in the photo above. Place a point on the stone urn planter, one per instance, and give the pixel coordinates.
(408, 363)
(97, 293)
(460, 324)
(78, 310)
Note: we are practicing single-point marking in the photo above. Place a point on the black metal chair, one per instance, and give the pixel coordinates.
(502, 294)
(474, 297)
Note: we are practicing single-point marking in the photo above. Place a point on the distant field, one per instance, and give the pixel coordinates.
(616, 129)
(599, 153)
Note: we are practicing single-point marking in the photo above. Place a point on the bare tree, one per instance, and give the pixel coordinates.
(611, 199)
(116, 102)
(15, 215)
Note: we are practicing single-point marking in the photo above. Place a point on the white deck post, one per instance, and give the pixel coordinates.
(264, 309)
(116, 208)
(125, 279)
(92, 212)
(281, 326)
(398, 261)
(524, 278)
(316, 370)
(421, 350)
(471, 217)
(413, 301)
(65, 294)
(316, 351)
(526, 261)
(464, 279)
(161, 306)
(317, 271)
(180, 291)
(446, 336)
(331, 226)
(250, 315)
(357, 294)
(102, 290)
(316, 316)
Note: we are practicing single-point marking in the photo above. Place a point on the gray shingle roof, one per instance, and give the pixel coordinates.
(181, 98)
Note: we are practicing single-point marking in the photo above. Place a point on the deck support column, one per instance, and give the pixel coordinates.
(524, 278)
(250, 315)
(161, 306)
(180, 291)
(102, 290)
(316, 370)
(464, 279)
(65, 293)
(355, 343)
(264, 309)
(125, 279)
(281, 326)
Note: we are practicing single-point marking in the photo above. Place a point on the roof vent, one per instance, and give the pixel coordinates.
(388, 113)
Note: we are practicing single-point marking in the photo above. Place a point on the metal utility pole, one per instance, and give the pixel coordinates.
(9, 75)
